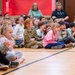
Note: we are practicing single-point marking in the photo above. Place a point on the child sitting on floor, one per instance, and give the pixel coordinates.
(51, 37)
(64, 36)
(18, 32)
(31, 40)
(71, 30)
(11, 55)
(40, 31)
(4, 63)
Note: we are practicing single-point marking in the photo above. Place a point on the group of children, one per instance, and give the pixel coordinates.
(28, 32)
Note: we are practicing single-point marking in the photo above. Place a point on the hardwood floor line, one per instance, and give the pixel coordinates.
(37, 60)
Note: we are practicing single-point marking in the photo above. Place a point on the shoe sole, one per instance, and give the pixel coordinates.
(4, 68)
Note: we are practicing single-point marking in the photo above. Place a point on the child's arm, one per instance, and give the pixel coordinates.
(16, 38)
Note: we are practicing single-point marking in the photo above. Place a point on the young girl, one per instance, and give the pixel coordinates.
(30, 37)
(11, 55)
(4, 63)
(19, 31)
(51, 37)
(35, 23)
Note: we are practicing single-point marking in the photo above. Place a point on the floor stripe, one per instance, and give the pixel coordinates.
(37, 61)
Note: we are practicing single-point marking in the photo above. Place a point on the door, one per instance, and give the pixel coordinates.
(70, 9)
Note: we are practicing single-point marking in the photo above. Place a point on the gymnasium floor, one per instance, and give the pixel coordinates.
(45, 62)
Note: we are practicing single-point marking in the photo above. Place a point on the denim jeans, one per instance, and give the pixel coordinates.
(55, 44)
(18, 42)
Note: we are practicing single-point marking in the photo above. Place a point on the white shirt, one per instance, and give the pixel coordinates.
(19, 31)
(39, 33)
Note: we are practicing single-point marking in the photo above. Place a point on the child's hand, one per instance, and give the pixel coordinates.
(16, 38)
(7, 44)
(32, 39)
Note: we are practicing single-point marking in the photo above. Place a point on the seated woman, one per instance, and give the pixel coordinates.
(31, 39)
(35, 12)
(60, 14)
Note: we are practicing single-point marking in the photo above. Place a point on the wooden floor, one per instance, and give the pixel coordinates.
(45, 62)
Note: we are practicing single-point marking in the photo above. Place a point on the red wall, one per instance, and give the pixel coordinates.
(18, 7)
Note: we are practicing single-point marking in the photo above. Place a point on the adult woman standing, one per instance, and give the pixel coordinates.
(35, 12)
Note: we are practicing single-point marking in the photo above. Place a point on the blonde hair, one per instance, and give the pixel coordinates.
(55, 25)
(5, 28)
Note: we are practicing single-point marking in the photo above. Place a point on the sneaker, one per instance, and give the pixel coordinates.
(34, 47)
(4, 67)
(14, 64)
(56, 47)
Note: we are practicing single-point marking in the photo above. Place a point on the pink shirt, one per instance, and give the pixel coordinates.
(50, 38)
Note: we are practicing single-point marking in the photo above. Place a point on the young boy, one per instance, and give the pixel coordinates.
(71, 30)
(40, 31)
(63, 35)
